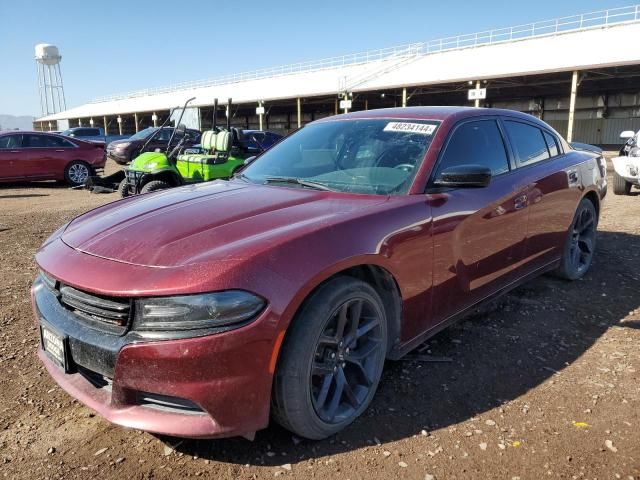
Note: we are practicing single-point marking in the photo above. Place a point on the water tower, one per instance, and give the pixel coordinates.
(50, 79)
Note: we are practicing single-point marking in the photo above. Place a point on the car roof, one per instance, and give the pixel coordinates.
(20, 132)
(430, 113)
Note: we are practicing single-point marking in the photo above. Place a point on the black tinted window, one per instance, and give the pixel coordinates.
(552, 144)
(87, 132)
(164, 135)
(476, 143)
(45, 141)
(10, 142)
(527, 141)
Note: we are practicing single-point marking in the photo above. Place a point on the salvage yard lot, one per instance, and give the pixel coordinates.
(543, 384)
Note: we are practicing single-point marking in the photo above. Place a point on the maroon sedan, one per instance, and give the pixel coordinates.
(201, 310)
(47, 156)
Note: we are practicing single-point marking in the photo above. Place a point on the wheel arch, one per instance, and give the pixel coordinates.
(593, 197)
(164, 175)
(380, 279)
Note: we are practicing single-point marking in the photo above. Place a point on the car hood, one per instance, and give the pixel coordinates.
(115, 143)
(207, 222)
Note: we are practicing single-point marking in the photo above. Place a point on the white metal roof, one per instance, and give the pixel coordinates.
(598, 39)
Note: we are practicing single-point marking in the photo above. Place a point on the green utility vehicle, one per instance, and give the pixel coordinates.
(222, 152)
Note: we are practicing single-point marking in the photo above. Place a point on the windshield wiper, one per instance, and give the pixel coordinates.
(242, 177)
(299, 181)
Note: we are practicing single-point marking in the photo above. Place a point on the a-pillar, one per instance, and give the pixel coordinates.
(572, 105)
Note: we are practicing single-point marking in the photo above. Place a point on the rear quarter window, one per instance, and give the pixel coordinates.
(528, 142)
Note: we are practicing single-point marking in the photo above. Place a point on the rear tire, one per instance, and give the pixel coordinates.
(581, 242)
(327, 375)
(154, 186)
(123, 189)
(77, 173)
(620, 185)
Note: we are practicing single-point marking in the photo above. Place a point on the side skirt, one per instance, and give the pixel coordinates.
(401, 350)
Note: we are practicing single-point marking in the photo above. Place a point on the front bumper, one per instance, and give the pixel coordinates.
(118, 156)
(628, 168)
(216, 385)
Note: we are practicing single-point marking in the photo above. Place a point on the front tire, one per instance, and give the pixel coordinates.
(123, 188)
(581, 242)
(77, 173)
(154, 186)
(620, 185)
(332, 359)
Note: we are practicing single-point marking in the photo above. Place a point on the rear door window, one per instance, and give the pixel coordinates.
(476, 143)
(528, 142)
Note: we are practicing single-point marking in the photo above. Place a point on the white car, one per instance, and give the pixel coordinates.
(627, 165)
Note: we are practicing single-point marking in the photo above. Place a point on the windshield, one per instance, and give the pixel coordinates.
(378, 156)
(142, 134)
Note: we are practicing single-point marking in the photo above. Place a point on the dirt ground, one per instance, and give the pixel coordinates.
(546, 384)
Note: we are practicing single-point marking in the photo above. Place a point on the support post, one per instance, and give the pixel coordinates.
(404, 97)
(335, 111)
(120, 124)
(79, 122)
(106, 125)
(260, 116)
(572, 105)
(366, 104)
(477, 99)
(135, 118)
(154, 117)
(299, 105)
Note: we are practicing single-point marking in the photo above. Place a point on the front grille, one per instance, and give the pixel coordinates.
(109, 314)
(134, 176)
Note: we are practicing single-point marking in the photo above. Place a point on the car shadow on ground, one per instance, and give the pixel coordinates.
(48, 184)
(514, 345)
(24, 195)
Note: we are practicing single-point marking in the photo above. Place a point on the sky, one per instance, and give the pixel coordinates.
(115, 46)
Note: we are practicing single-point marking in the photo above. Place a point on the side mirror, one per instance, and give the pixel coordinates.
(627, 134)
(219, 160)
(464, 176)
(249, 160)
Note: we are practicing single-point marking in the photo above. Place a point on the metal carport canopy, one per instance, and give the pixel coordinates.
(610, 45)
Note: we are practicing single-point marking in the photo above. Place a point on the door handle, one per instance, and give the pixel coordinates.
(520, 202)
(14, 151)
(60, 150)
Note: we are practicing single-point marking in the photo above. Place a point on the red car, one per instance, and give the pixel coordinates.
(201, 310)
(47, 156)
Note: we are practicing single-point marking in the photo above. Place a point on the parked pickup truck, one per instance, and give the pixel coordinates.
(92, 134)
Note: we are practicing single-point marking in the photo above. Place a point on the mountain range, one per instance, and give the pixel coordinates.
(16, 122)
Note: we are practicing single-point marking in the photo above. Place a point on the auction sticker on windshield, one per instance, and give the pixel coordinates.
(421, 128)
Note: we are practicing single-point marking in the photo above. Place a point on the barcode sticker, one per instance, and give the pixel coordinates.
(421, 128)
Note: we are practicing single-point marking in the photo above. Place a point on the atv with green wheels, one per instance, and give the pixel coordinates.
(222, 152)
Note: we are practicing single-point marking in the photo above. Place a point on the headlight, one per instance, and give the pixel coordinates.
(121, 146)
(196, 312)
